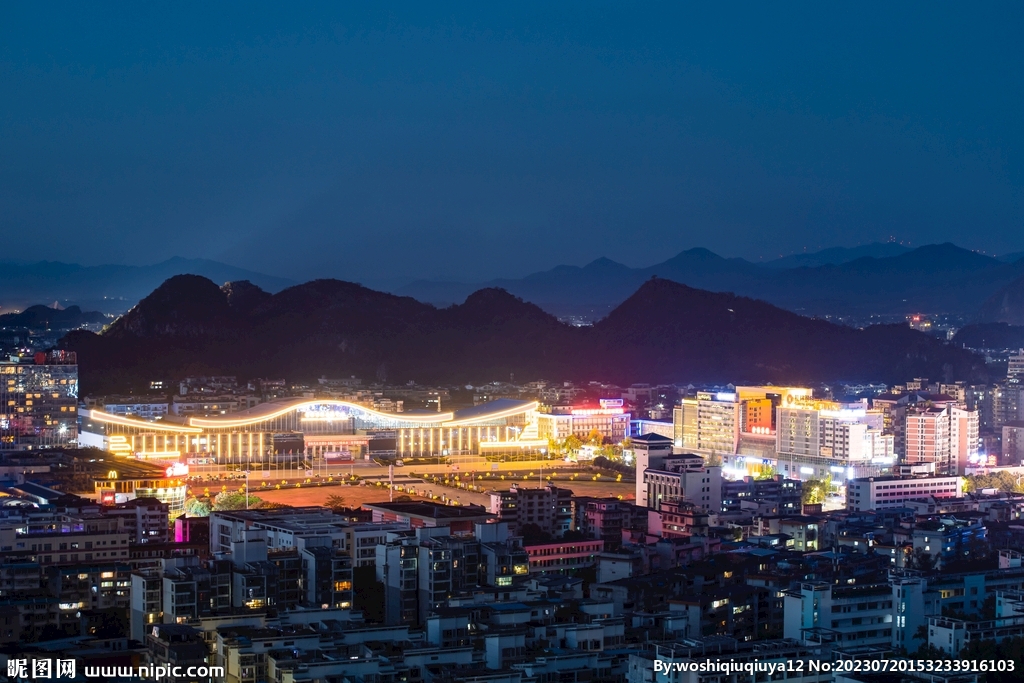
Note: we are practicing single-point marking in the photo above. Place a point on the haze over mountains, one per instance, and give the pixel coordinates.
(663, 332)
(109, 289)
(881, 278)
(939, 278)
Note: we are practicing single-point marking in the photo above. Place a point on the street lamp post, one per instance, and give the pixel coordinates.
(247, 489)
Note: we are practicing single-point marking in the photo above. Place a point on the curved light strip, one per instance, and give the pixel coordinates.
(508, 412)
(221, 423)
(110, 418)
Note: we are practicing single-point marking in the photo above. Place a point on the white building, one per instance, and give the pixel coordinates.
(878, 493)
(687, 480)
(650, 451)
(827, 439)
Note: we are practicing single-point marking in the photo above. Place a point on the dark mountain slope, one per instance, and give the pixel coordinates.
(990, 336)
(665, 332)
(1005, 306)
(41, 317)
(668, 329)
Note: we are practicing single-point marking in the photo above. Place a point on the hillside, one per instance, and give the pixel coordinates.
(110, 288)
(1005, 306)
(939, 278)
(41, 317)
(664, 332)
(991, 336)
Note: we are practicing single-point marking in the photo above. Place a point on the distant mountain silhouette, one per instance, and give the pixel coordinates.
(110, 289)
(838, 255)
(939, 278)
(664, 332)
(41, 317)
(990, 336)
(1005, 306)
(1011, 258)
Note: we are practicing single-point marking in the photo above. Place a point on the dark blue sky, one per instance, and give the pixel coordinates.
(468, 142)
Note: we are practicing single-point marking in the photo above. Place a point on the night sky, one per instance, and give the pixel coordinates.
(469, 142)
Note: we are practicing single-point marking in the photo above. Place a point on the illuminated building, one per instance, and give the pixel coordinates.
(39, 402)
(718, 422)
(650, 451)
(879, 493)
(549, 508)
(610, 420)
(684, 478)
(817, 439)
(125, 480)
(734, 422)
(271, 431)
(927, 438)
(684, 422)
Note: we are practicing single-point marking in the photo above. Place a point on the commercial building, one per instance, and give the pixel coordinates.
(39, 401)
(684, 424)
(739, 422)
(816, 439)
(271, 431)
(879, 493)
(610, 420)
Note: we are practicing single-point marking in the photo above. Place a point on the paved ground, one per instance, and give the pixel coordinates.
(357, 495)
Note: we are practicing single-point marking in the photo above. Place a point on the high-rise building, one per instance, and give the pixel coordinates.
(1015, 368)
(824, 438)
(39, 401)
(718, 422)
(684, 422)
(927, 438)
(964, 438)
(650, 451)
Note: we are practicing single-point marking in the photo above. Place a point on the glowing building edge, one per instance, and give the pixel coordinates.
(314, 427)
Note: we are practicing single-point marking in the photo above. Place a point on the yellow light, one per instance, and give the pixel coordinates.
(101, 416)
(299, 405)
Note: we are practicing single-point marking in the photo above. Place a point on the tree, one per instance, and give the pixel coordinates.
(197, 507)
(816, 490)
(922, 560)
(713, 460)
(335, 502)
(595, 438)
(571, 444)
(767, 472)
(234, 500)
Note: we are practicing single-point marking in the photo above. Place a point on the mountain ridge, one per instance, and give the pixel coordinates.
(664, 332)
(938, 278)
(111, 288)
